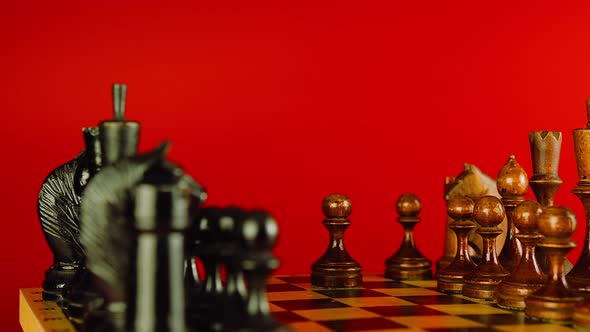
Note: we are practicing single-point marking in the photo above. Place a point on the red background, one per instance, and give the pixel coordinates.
(276, 104)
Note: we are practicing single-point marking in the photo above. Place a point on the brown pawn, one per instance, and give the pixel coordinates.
(579, 276)
(483, 283)
(408, 263)
(555, 301)
(512, 185)
(336, 269)
(451, 278)
(582, 315)
(527, 277)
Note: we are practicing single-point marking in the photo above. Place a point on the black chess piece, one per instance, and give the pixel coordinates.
(235, 287)
(258, 233)
(156, 295)
(112, 141)
(206, 247)
(107, 233)
(59, 213)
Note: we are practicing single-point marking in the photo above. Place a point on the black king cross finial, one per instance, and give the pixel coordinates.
(119, 94)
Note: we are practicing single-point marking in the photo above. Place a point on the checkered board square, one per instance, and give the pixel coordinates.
(385, 305)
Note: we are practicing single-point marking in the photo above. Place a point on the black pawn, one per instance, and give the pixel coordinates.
(235, 288)
(206, 248)
(258, 233)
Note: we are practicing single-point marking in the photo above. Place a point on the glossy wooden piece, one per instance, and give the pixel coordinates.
(336, 269)
(483, 282)
(545, 182)
(582, 315)
(545, 151)
(450, 240)
(451, 278)
(527, 277)
(579, 276)
(512, 185)
(408, 263)
(555, 301)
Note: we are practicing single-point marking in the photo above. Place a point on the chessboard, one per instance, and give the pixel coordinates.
(385, 305)
(380, 304)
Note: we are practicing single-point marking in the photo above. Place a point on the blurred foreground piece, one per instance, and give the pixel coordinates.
(241, 242)
(113, 140)
(336, 269)
(134, 214)
(555, 301)
(408, 263)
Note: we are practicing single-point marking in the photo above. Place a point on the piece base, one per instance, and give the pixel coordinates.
(551, 309)
(511, 296)
(336, 275)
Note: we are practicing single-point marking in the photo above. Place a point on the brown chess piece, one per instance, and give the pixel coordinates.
(483, 282)
(579, 276)
(512, 185)
(336, 269)
(450, 240)
(527, 277)
(545, 182)
(408, 263)
(555, 301)
(451, 278)
(472, 183)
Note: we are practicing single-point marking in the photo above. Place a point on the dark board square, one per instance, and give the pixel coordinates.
(295, 279)
(461, 329)
(283, 288)
(351, 292)
(287, 317)
(500, 319)
(386, 284)
(309, 304)
(403, 310)
(435, 299)
(361, 324)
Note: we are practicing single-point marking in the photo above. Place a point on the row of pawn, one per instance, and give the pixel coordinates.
(526, 287)
(514, 279)
(229, 262)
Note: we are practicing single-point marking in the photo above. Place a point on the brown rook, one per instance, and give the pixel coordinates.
(527, 277)
(336, 269)
(408, 263)
(483, 282)
(555, 301)
(579, 276)
(451, 278)
(545, 182)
